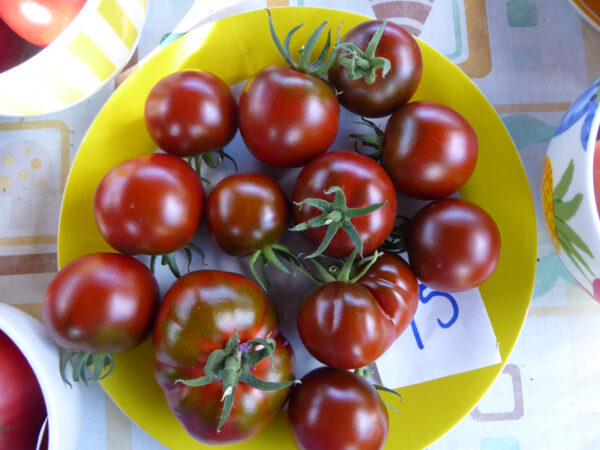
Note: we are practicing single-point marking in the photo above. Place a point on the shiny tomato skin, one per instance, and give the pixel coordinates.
(246, 212)
(395, 287)
(288, 117)
(191, 112)
(430, 150)
(150, 204)
(101, 302)
(22, 408)
(453, 245)
(349, 325)
(364, 182)
(13, 49)
(334, 409)
(199, 314)
(23, 16)
(385, 95)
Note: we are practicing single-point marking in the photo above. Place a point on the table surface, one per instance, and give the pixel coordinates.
(531, 58)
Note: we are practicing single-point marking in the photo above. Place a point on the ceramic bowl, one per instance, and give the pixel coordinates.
(568, 197)
(63, 404)
(86, 56)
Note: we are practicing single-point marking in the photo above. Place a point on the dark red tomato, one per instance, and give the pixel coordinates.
(334, 409)
(22, 408)
(453, 245)
(246, 212)
(150, 204)
(101, 302)
(386, 94)
(364, 183)
(349, 325)
(191, 112)
(13, 49)
(200, 313)
(430, 150)
(288, 117)
(39, 21)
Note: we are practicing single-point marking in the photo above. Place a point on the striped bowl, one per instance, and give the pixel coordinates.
(87, 55)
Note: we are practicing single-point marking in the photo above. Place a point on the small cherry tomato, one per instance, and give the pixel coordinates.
(386, 93)
(288, 117)
(247, 212)
(39, 21)
(101, 302)
(349, 325)
(453, 245)
(150, 204)
(430, 150)
(191, 112)
(334, 409)
(363, 183)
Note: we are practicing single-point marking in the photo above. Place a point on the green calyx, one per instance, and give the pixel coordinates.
(366, 373)
(271, 254)
(87, 366)
(212, 160)
(322, 64)
(170, 259)
(376, 141)
(350, 270)
(233, 364)
(336, 215)
(364, 64)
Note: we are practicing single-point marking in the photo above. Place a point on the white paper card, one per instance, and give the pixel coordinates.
(450, 334)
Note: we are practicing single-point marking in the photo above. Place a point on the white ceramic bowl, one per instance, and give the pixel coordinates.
(87, 55)
(63, 404)
(568, 198)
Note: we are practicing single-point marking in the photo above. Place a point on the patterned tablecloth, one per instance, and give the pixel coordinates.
(531, 58)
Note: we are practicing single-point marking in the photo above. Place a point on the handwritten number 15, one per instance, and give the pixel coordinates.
(425, 299)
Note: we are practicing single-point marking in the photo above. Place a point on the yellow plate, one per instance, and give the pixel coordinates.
(236, 48)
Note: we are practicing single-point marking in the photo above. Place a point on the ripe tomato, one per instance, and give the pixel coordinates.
(201, 313)
(385, 94)
(430, 150)
(363, 183)
(149, 204)
(247, 212)
(453, 245)
(288, 117)
(22, 408)
(334, 409)
(101, 302)
(13, 49)
(349, 325)
(39, 21)
(191, 112)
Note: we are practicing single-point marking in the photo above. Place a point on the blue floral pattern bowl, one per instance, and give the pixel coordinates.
(568, 198)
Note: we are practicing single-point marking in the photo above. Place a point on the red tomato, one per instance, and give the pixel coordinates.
(102, 302)
(150, 204)
(430, 150)
(13, 49)
(22, 408)
(349, 325)
(200, 314)
(247, 212)
(288, 117)
(385, 94)
(453, 245)
(191, 112)
(39, 21)
(333, 409)
(364, 183)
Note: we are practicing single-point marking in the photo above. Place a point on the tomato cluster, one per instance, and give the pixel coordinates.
(220, 357)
